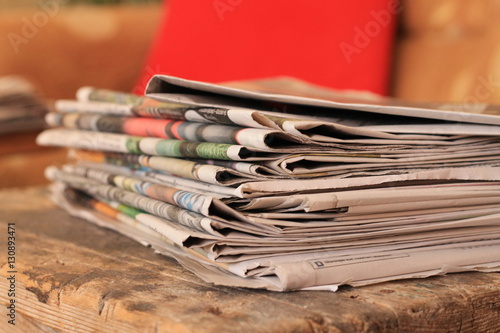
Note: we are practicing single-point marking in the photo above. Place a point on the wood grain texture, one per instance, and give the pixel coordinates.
(74, 276)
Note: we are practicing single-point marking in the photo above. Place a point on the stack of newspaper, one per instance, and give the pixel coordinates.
(284, 192)
(20, 108)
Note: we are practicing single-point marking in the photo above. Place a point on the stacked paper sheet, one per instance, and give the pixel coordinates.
(283, 192)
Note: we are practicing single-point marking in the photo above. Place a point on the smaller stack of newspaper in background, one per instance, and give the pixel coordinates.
(20, 108)
(283, 192)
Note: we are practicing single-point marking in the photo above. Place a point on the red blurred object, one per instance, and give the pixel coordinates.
(337, 44)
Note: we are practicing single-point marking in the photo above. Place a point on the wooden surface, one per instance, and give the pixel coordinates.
(74, 276)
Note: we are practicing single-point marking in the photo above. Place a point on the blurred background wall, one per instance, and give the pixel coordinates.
(61, 45)
(445, 51)
(448, 51)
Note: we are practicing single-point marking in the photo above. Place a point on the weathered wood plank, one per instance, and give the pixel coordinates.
(74, 276)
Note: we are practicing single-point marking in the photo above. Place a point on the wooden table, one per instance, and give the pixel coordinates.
(73, 276)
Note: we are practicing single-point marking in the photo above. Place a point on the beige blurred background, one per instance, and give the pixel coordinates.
(445, 51)
(59, 46)
(448, 51)
(80, 43)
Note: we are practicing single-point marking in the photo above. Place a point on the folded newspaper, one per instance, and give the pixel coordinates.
(281, 191)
